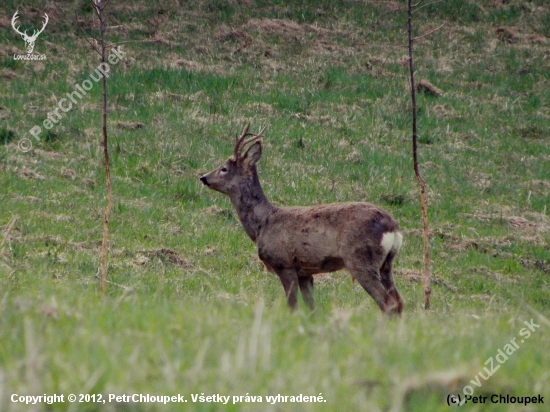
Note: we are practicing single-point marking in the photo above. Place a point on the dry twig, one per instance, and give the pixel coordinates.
(99, 8)
(8, 231)
(427, 280)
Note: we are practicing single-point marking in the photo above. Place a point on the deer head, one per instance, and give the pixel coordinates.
(29, 40)
(239, 168)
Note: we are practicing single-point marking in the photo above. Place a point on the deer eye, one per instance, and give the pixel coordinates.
(223, 170)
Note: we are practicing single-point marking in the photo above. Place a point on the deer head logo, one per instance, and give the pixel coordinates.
(29, 40)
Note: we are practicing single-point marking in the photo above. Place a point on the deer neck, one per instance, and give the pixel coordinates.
(252, 206)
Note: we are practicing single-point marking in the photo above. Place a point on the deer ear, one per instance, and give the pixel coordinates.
(253, 154)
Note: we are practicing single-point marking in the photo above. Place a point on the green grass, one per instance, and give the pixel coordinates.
(190, 309)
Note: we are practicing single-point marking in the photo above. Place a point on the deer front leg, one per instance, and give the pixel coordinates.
(306, 287)
(290, 282)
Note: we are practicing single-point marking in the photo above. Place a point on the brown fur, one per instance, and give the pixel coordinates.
(296, 243)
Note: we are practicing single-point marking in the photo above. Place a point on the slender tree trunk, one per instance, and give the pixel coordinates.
(427, 281)
(100, 9)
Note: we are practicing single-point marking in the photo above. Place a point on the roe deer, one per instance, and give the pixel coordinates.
(296, 243)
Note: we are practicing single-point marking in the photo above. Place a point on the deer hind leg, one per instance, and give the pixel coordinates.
(289, 279)
(369, 278)
(389, 284)
(306, 287)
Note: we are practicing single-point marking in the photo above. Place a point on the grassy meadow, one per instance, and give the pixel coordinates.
(189, 309)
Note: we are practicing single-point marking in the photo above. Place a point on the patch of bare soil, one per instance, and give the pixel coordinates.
(424, 86)
(27, 173)
(260, 107)
(354, 157)
(130, 125)
(482, 180)
(483, 297)
(4, 112)
(513, 35)
(466, 244)
(289, 30)
(392, 6)
(166, 254)
(30, 199)
(541, 187)
(538, 264)
(539, 222)
(314, 119)
(324, 278)
(217, 211)
(415, 276)
(497, 276)
(88, 182)
(487, 244)
(286, 28)
(85, 246)
(7, 74)
(5, 22)
(443, 110)
(68, 173)
(64, 218)
(238, 36)
(48, 155)
(188, 65)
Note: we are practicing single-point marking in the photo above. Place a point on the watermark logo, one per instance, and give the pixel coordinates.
(501, 357)
(29, 40)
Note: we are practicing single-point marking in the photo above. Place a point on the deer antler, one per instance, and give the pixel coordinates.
(13, 19)
(24, 34)
(35, 34)
(240, 142)
(256, 137)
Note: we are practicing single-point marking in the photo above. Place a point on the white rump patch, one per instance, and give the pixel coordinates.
(391, 240)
